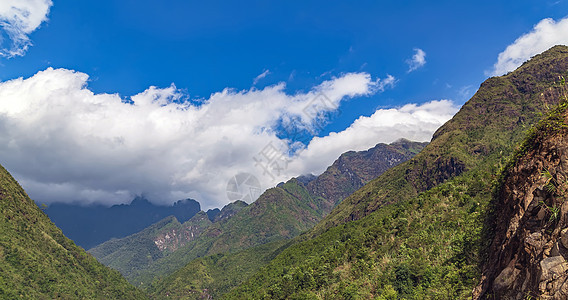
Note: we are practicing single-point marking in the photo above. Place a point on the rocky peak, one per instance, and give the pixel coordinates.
(354, 169)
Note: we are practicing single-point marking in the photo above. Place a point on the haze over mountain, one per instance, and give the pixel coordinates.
(91, 225)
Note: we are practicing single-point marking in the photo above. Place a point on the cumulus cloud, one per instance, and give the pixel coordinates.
(19, 18)
(412, 121)
(545, 34)
(417, 61)
(65, 143)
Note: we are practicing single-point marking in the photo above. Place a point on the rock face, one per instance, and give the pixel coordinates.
(128, 254)
(354, 169)
(176, 237)
(529, 252)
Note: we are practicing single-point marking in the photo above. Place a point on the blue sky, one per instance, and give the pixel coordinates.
(205, 46)
(125, 47)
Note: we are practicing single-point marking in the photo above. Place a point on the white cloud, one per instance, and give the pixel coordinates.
(545, 34)
(417, 61)
(261, 76)
(412, 121)
(19, 18)
(65, 143)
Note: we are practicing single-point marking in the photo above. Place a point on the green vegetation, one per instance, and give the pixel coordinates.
(486, 127)
(279, 214)
(38, 262)
(418, 230)
(215, 275)
(132, 253)
(424, 248)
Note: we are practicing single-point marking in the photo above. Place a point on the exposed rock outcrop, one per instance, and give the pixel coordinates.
(176, 237)
(528, 256)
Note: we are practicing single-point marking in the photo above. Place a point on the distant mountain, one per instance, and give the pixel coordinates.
(421, 229)
(38, 262)
(280, 213)
(89, 226)
(354, 169)
(140, 249)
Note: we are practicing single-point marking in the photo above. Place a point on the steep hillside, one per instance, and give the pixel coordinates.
(527, 256)
(416, 230)
(229, 210)
(280, 213)
(212, 276)
(493, 120)
(38, 262)
(89, 226)
(128, 254)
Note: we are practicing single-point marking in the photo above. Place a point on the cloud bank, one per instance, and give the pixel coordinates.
(19, 18)
(545, 34)
(65, 143)
(417, 61)
(412, 121)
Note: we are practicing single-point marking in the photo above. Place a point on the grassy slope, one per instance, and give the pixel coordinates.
(216, 274)
(38, 262)
(425, 243)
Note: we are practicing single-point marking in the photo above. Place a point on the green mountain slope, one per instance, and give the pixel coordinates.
(416, 229)
(38, 262)
(128, 254)
(230, 210)
(488, 124)
(215, 275)
(316, 195)
(354, 169)
(280, 213)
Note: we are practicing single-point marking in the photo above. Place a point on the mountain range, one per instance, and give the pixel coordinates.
(282, 212)
(91, 225)
(422, 228)
(479, 212)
